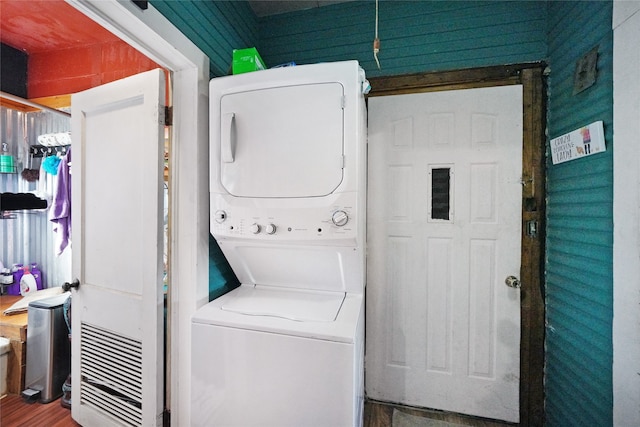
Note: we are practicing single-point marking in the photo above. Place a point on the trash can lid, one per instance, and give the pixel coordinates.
(50, 303)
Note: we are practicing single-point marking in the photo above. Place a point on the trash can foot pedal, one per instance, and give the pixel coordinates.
(30, 395)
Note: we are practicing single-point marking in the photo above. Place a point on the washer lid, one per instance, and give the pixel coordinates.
(292, 304)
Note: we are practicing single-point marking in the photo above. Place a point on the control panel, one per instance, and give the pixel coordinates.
(335, 222)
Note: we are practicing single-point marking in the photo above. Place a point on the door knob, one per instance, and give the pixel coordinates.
(512, 282)
(67, 286)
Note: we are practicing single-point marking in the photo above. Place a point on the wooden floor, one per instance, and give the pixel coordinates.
(14, 412)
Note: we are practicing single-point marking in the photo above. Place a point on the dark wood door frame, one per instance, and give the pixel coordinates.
(531, 77)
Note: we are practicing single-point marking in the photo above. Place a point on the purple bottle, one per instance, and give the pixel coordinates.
(17, 271)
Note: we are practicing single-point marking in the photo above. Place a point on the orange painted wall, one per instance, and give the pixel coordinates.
(68, 71)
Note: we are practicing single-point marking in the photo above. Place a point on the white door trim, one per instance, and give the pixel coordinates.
(626, 213)
(156, 37)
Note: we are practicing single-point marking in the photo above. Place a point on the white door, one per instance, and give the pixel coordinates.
(444, 230)
(117, 310)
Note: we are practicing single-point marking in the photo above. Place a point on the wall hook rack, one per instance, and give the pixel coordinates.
(44, 151)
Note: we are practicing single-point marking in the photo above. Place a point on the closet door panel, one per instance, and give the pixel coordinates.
(117, 200)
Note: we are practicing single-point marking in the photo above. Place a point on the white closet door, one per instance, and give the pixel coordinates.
(444, 232)
(117, 310)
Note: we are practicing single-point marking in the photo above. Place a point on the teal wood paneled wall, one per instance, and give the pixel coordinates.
(579, 247)
(419, 36)
(216, 27)
(416, 36)
(222, 279)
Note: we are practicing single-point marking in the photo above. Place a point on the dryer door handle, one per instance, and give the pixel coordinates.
(228, 138)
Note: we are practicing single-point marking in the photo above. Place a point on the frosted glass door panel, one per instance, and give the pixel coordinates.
(283, 142)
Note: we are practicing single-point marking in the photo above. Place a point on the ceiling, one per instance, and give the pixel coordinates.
(34, 26)
(40, 26)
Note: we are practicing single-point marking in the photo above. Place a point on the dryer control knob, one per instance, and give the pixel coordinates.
(255, 228)
(340, 218)
(220, 216)
(270, 229)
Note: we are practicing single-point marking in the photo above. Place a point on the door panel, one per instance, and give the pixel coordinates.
(117, 356)
(443, 330)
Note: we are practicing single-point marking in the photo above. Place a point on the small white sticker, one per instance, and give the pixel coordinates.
(581, 142)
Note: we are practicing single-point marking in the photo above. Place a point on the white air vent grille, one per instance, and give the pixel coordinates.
(111, 374)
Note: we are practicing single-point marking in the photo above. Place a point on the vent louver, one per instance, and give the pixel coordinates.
(111, 374)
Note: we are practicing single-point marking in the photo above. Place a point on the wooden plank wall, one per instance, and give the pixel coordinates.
(579, 257)
(416, 36)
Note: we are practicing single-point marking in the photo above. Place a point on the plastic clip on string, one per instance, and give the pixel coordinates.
(376, 40)
(376, 49)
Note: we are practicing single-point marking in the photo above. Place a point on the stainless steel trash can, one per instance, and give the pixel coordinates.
(48, 349)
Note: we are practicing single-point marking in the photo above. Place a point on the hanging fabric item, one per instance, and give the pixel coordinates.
(45, 186)
(50, 164)
(60, 210)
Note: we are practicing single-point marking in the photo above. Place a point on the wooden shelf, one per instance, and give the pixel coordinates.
(49, 103)
(17, 106)
(57, 101)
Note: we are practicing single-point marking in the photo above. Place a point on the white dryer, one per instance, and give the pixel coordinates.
(287, 188)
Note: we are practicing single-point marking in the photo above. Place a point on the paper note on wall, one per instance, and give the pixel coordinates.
(581, 142)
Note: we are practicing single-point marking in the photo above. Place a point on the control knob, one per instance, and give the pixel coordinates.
(220, 216)
(340, 218)
(255, 228)
(270, 229)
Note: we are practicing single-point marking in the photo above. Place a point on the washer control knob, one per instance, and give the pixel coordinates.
(270, 229)
(255, 228)
(220, 216)
(340, 218)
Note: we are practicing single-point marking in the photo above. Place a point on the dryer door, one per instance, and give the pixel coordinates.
(282, 141)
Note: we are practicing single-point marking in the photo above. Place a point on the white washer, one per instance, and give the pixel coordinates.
(270, 371)
(287, 186)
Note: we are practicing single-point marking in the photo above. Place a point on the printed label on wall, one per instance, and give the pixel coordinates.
(582, 142)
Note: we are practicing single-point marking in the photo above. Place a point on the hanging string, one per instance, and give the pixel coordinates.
(376, 40)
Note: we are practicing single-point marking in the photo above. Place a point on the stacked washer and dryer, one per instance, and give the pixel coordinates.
(288, 205)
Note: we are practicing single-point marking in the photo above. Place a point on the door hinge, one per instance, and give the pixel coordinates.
(168, 116)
